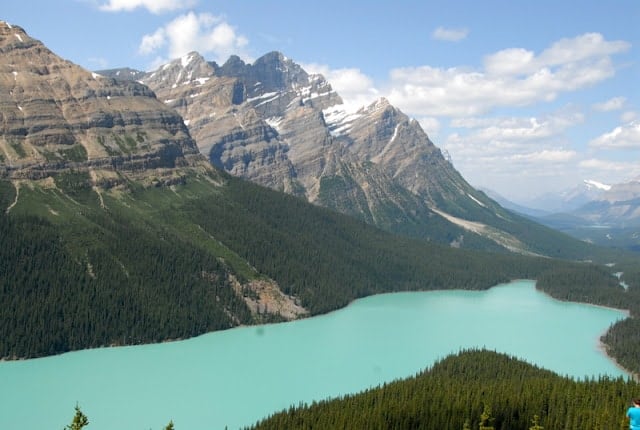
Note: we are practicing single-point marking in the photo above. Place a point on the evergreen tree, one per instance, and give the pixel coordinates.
(535, 423)
(485, 419)
(79, 421)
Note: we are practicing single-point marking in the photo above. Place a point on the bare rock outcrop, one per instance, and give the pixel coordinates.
(56, 115)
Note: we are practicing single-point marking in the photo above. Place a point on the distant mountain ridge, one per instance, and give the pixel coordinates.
(275, 124)
(616, 206)
(597, 203)
(569, 199)
(607, 215)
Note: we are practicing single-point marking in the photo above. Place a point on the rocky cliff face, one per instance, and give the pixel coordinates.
(55, 115)
(275, 124)
(229, 131)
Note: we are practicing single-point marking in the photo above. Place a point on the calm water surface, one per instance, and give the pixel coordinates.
(236, 377)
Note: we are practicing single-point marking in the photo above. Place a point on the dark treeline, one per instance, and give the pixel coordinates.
(154, 264)
(597, 285)
(328, 259)
(132, 285)
(333, 259)
(623, 338)
(457, 391)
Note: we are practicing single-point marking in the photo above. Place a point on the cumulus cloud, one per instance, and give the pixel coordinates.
(511, 77)
(515, 131)
(614, 171)
(153, 6)
(431, 126)
(450, 34)
(152, 42)
(355, 88)
(545, 156)
(626, 136)
(517, 61)
(205, 33)
(612, 104)
(520, 153)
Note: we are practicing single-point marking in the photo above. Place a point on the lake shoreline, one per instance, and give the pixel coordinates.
(602, 347)
(235, 377)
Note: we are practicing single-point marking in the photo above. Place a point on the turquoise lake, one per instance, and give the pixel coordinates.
(235, 377)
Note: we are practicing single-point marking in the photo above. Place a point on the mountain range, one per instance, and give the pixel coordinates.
(273, 123)
(116, 228)
(608, 215)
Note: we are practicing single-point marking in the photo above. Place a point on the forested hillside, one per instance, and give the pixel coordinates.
(474, 389)
(85, 267)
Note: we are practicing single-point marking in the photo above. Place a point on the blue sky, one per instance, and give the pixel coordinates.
(526, 97)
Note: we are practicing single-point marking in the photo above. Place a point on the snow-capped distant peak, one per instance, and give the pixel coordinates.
(595, 184)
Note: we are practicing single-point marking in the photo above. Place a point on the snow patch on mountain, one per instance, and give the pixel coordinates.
(339, 120)
(274, 122)
(186, 60)
(590, 183)
(476, 200)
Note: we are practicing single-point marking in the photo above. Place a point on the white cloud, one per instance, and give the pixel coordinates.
(515, 131)
(626, 136)
(545, 156)
(612, 104)
(515, 154)
(613, 171)
(153, 6)
(511, 77)
(152, 42)
(203, 32)
(518, 61)
(431, 126)
(629, 116)
(355, 88)
(450, 34)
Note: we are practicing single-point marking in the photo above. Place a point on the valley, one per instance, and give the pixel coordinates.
(140, 208)
(237, 377)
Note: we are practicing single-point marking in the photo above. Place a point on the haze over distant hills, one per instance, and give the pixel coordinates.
(608, 215)
(569, 199)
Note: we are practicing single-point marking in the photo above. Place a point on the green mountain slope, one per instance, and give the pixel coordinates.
(115, 230)
(86, 266)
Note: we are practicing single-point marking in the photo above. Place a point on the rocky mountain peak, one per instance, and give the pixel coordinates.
(122, 74)
(189, 68)
(56, 115)
(272, 72)
(234, 66)
(11, 35)
(380, 105)
(273, 123)
(628, 190)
